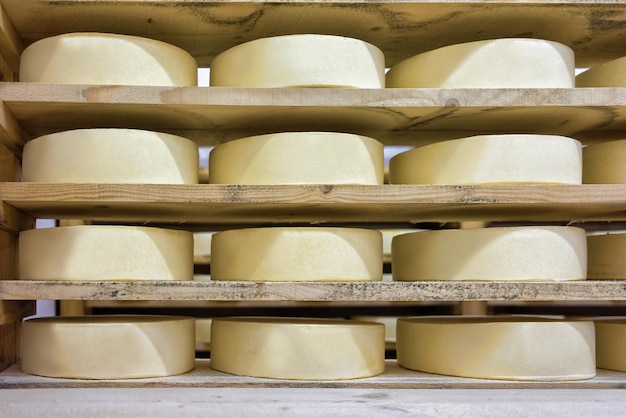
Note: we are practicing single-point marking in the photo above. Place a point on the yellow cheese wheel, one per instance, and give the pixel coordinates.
(298, 158)
(497, 63)
(297, 254)
(203, 333)
(110, 155)
(108, 347)
(491, 159)
(106, 58)
(611, 344)
(553, 253)
(606, 255)
(604, 163)
(609, 74)
(289, 348)
(515, 348)
(305, 60)
(102, 252)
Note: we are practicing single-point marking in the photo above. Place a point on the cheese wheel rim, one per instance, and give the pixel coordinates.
(604, 163)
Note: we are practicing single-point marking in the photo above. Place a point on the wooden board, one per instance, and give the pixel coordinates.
(211, 115)
(400, 28)
(313, 291)
(215, 205)
(394, 377)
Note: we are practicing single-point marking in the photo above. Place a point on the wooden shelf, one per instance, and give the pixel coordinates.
(210, 115)
(313, 291)
(394, 377)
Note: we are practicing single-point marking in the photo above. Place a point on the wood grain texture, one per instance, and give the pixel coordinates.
(211, 115)
(394, 377)
(313, 291)
(224, 205)
(400, 28)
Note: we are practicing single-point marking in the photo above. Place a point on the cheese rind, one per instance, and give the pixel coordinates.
(491, 159)
(305, 60)
(101, 252)
(105, 58)
(609, 74)
(604, 163)
(611, 344)
(512, 348)
(497, 63)
(297, 254)
(108, 347)
(307, 349)
(110, 155)
(298, 158)
(606, 256)
(554, 253)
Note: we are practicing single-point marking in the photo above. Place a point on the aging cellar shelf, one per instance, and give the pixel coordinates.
(210, 115)
(313, 291)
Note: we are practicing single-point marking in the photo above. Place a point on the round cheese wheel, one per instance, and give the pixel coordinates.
(298, 158)
(203, 333)
(606, 256)
(108, 347)
(110, 155)
(289, 348)
(611, 344)
(202, 247)
(554, 253)
(105, 58)
(297, 254)
(604, 163)
(609, 74)
(514, 348)
(306, 60)
(497, 63)
(491, 159)
(101, 252)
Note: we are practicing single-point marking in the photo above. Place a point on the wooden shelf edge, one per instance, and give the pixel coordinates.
(426, 291)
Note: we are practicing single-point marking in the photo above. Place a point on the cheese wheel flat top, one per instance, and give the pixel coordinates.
(605, 256)
(488, 159)
(101, 252)
(497, 63)
(510, 348)
(611, 344)
(305, 60)
(609, 74)
(604, 163)
(108, 347)
(104, 58)
(529, 253)
(110, 155)
(298, 158)
(307, 349)
(297, 254)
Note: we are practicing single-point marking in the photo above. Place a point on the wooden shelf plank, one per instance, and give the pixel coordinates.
(314, 204)
(210, 115)
(394, 377)
(400, 28)
(313, 291)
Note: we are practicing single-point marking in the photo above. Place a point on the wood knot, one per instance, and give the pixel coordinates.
(326, 188)
(453, 102)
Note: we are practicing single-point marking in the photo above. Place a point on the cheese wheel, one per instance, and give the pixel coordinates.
(298, 158)
(203, 333)
(390, 326)
(306, 60)
(609, 74)
(105, 58)
(497, 63)
(101, 252)
(289, 348)
(108, 347)
(604, 163)
(297, 254)
(202, 247)
(606, 254)
(512, 348)
(553, 253)
(491, 159)
(611, 344)
(110, 156)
